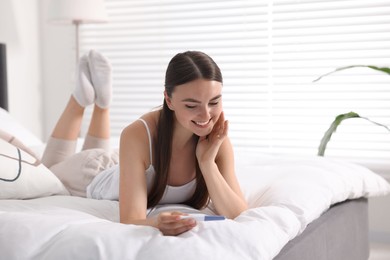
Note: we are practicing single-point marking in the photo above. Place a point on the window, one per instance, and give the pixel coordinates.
(269, 53)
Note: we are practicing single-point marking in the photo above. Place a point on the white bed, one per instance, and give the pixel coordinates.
(39, 220)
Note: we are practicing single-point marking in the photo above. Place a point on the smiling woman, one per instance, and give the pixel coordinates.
(178, 154)
(188, 137)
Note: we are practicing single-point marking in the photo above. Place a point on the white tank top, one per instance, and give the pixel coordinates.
(106, 184)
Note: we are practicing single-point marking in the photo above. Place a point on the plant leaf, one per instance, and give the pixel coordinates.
(382, 69)
(328, 134)
(341, 117)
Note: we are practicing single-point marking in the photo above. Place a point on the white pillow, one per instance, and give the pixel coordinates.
(24, 177)
(10, 125)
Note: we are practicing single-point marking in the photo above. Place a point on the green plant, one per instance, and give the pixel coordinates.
(328, 134)
(382, 69)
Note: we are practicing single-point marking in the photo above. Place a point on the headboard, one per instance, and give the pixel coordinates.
(3, 77)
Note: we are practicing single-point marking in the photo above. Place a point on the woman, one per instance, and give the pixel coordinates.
(177, 154)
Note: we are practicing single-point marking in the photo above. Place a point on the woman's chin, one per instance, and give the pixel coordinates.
(203, 133)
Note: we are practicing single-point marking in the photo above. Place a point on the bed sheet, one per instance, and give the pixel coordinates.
(284, 195)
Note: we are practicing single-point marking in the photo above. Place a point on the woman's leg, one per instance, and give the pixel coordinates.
(98, 135)
(93, 85)
(99, 128)
(76, 171)
(63, 140)
(69, 123)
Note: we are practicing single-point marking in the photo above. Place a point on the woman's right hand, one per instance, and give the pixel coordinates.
(170, 223)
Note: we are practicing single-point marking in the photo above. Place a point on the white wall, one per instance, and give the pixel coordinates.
(19, 30)
(40, 59)
(58, 65)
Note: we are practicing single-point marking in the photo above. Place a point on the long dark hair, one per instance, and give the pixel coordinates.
(183, 68)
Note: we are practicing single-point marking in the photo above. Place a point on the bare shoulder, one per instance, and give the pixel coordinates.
(134, 140)
(137, 129)
(151, 119)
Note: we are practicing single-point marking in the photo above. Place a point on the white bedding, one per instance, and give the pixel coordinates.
(284, 194)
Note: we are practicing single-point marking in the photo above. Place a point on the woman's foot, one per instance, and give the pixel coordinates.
(84, 92)
(100, 69)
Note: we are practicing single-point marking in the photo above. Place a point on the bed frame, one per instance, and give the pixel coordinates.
(341, 233)
(3, 78)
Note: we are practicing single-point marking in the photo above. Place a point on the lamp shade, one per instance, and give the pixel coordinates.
(77, 11)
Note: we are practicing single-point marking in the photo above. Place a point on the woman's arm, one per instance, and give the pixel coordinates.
(132, 184)
(133, 190)
(216, 161)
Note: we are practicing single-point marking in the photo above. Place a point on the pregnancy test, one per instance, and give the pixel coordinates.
(202, 217)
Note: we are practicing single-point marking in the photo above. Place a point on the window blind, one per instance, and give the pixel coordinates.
(269, 53)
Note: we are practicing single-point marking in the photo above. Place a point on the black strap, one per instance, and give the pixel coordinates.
(19, 171)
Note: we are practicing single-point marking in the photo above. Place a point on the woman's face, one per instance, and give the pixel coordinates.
(197, 105)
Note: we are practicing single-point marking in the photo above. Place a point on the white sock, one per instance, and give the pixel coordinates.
(100, 69)
(84, 92)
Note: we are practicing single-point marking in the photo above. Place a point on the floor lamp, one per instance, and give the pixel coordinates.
(77, 12)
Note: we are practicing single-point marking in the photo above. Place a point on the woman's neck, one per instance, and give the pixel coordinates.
(182, 138)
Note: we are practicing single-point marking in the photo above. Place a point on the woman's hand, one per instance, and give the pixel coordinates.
(170, 224)
(208, 146)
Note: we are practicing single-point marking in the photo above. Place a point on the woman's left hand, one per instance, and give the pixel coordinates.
(208, 146)
(170, 223)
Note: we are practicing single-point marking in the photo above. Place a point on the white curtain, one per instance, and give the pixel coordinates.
(269, 53)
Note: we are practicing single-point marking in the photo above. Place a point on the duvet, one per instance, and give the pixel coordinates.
(284, 194)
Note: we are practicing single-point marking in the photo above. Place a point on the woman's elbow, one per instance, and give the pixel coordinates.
(238, 210)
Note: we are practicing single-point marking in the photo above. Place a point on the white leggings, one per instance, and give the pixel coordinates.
(77, 170)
